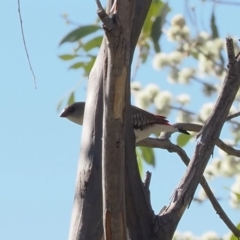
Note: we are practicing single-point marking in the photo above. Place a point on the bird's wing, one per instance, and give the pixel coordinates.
(142, 118)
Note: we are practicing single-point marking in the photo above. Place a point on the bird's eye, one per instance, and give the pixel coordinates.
(72, 110)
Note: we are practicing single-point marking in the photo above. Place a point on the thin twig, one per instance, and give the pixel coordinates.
(25, 46)
(183, 110)
(225, 2)
(233, 116)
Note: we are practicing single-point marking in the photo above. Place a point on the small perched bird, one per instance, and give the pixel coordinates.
(144, 123)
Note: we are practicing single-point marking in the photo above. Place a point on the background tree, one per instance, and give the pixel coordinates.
(38, 171)
(204, 48)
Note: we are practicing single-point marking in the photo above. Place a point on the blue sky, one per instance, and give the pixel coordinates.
(39, 151)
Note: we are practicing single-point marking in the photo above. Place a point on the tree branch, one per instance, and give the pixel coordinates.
(106, 20)
(168, 145)
(233, 116)
(146, 185)
(196, 128)
(207, 139)
(25, 45)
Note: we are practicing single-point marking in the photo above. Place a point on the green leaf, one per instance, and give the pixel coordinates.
(156, 32)
(139, 161)
(159, 10)
(77, 65)
(67, 57)
(71, 98)
(214, 26)
(59, 105)
(148, 155)
(79, 33)
(183, 139)
(93, 43)
(154, 11)
(233, 237)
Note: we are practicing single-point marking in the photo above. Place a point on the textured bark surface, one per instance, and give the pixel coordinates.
(87, 221)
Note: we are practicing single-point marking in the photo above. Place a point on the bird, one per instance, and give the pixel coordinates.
(144, 123)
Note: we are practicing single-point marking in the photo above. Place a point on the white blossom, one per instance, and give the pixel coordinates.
(175, 57)
(211, 50)
(163, 101)
(213, 169)
(210, 236)
(183, 236)
(235, 193)
(173, 76)
(160, 60)
(202, 38)
(229, 166)
(178, 33)
(174, 32)
(178, 20)
(183, 117)
(152, 90)
(219, 43)
(185, 32)
(142, 99)
(136, 86)
(204, 64)
(185, 75)
(183, 98)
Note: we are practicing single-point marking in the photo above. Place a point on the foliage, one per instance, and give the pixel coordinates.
(85, 48)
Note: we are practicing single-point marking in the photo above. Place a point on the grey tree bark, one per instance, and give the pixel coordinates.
(87, 221)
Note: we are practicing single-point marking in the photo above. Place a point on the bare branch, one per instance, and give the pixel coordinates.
(147, 180)
(207, 138)
(25, 45)
(233, 116)
(183, 110)
(168, 145)
(228, 149)
(146, 185)
(106, 20)
(196, 128)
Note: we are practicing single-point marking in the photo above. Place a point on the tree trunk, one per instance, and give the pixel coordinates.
(86, 222)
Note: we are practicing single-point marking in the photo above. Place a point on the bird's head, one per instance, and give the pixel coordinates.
(74, 112)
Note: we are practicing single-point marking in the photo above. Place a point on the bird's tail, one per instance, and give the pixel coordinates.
(183, 131)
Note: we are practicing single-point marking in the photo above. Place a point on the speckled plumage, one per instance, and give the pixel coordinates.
(144, 123)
